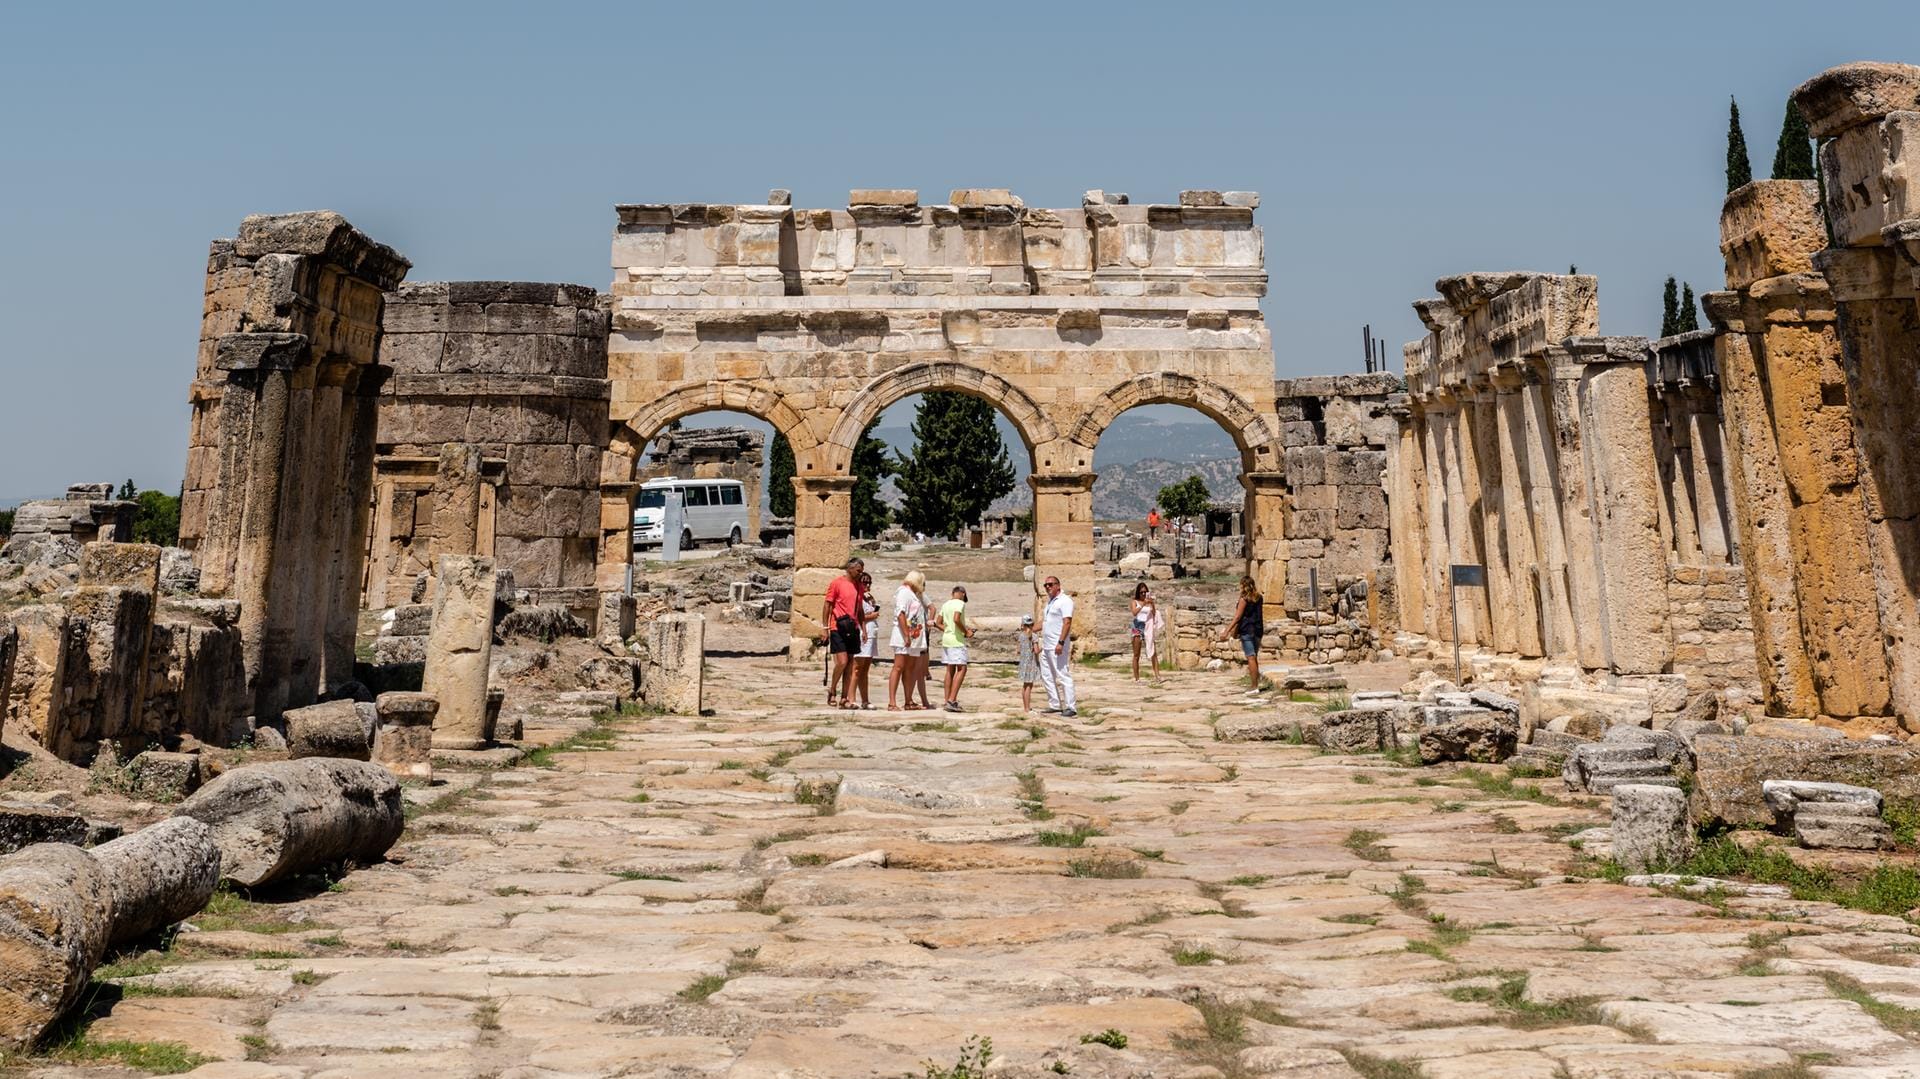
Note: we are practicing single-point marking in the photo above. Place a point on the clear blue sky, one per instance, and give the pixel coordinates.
(1392, 144)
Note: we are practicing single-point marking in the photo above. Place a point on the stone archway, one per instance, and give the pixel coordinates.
(818, 319)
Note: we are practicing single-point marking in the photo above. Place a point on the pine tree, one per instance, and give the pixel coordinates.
(958, 465)
(1670, 309)
(1793, 159)
(1739, 167)
(780, 477)
(1689, 311)
(128, 492)
(870, 466)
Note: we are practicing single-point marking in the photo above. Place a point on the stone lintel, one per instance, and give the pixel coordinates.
(1354, 385)
(1853, 94)
(1863, 273)
(883, 196)
(1435, 313)
(1607, 350)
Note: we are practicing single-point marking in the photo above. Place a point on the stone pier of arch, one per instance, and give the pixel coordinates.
(816, 320)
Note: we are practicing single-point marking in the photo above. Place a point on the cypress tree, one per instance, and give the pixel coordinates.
(1670, 309)
(870, 466)
(1689, 320)
(1739, 167)
(1793, 159)
(958, 465)
(780, 477)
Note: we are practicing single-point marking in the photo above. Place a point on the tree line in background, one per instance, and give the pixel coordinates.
(957, 468)
(1793, 159)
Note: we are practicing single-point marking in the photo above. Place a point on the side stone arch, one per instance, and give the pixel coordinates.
(751, 398)
(870, 400)
(1256, 438)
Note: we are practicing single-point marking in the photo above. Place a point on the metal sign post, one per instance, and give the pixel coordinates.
(1457, 575)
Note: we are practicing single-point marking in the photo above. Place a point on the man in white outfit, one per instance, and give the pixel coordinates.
(1056, 649)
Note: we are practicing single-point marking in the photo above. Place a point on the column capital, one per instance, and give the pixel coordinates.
(824, 485)
(1061, 483)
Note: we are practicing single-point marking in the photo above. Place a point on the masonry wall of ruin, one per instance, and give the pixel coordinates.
(816, 320)
(517, 372)
(1847, 658)
(281, 443)
(1528, 446)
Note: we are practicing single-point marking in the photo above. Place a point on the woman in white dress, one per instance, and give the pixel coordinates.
(908, 640)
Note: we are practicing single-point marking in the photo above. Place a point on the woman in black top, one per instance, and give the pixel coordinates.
(1249, 624)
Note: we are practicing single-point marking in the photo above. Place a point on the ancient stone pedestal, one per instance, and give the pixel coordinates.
(1650, 827)
(676, 651)
(616, 616)
(404, 740)
(459, 648)
(333, 729)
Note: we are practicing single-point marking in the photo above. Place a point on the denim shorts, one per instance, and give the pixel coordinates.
(1250, 644)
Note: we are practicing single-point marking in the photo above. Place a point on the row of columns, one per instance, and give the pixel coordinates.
(1539, 468)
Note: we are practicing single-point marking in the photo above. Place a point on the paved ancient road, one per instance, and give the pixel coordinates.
(659, 903)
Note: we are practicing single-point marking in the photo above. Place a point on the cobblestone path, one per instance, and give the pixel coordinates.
(1114, 895)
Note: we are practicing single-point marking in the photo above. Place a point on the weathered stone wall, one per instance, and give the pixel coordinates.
(1867, 120)
(89, 512)
(816, 320)
(1584, 473)
(518, 371)
(1337, 430)
(711, 453)
(281, 444)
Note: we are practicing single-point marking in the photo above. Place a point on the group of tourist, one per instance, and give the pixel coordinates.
(852, 617)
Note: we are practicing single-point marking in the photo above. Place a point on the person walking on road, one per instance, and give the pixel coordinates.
(955, 634)
(1249, 623)
(840, 614)
(1146, 627)
(1056, 649)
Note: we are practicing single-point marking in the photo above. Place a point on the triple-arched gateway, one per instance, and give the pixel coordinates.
(817, 320)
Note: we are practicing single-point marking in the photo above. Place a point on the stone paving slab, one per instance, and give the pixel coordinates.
(674, 901)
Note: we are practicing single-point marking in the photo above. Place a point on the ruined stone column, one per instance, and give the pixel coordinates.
(1544, 507)
(1063, 544)
(1406, 497)
(404, 740)
(1626, 493)
(1867, 118)
(822, 517)
(1439, 625)
(674, 677)
(1521, 556)
(1577, 508)
(1487, 490)
(1266, 539)
(456, 501)
(459, 648)
(1462, 510)
(281, 458)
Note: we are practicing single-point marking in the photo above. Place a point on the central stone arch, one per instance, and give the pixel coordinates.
(1256, 439)
(870, 400)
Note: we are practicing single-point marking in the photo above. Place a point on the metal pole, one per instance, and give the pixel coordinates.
(1453, 598)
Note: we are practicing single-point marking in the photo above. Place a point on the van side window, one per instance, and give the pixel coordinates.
(696, 496)
(730, 496)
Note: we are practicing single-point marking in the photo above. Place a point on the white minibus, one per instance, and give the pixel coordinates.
(712, 510)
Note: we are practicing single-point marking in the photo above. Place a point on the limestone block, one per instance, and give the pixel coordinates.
(133, 565)
(1785, 797)
(1841, 826)
(1730, 772)
(23, 824)
(1467, 734)
(1650, 827)
(616, 616)
(403, 742)
(160, 776)
(1357, 731)
(673, 677)
(333, 729)
(1770, 228)
(459, 649)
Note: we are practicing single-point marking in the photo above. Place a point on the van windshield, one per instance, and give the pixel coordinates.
(652, 500)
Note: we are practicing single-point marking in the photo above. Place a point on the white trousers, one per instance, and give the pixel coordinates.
(1056, 673)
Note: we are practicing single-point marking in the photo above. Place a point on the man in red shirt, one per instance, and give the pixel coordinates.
(840, 613)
